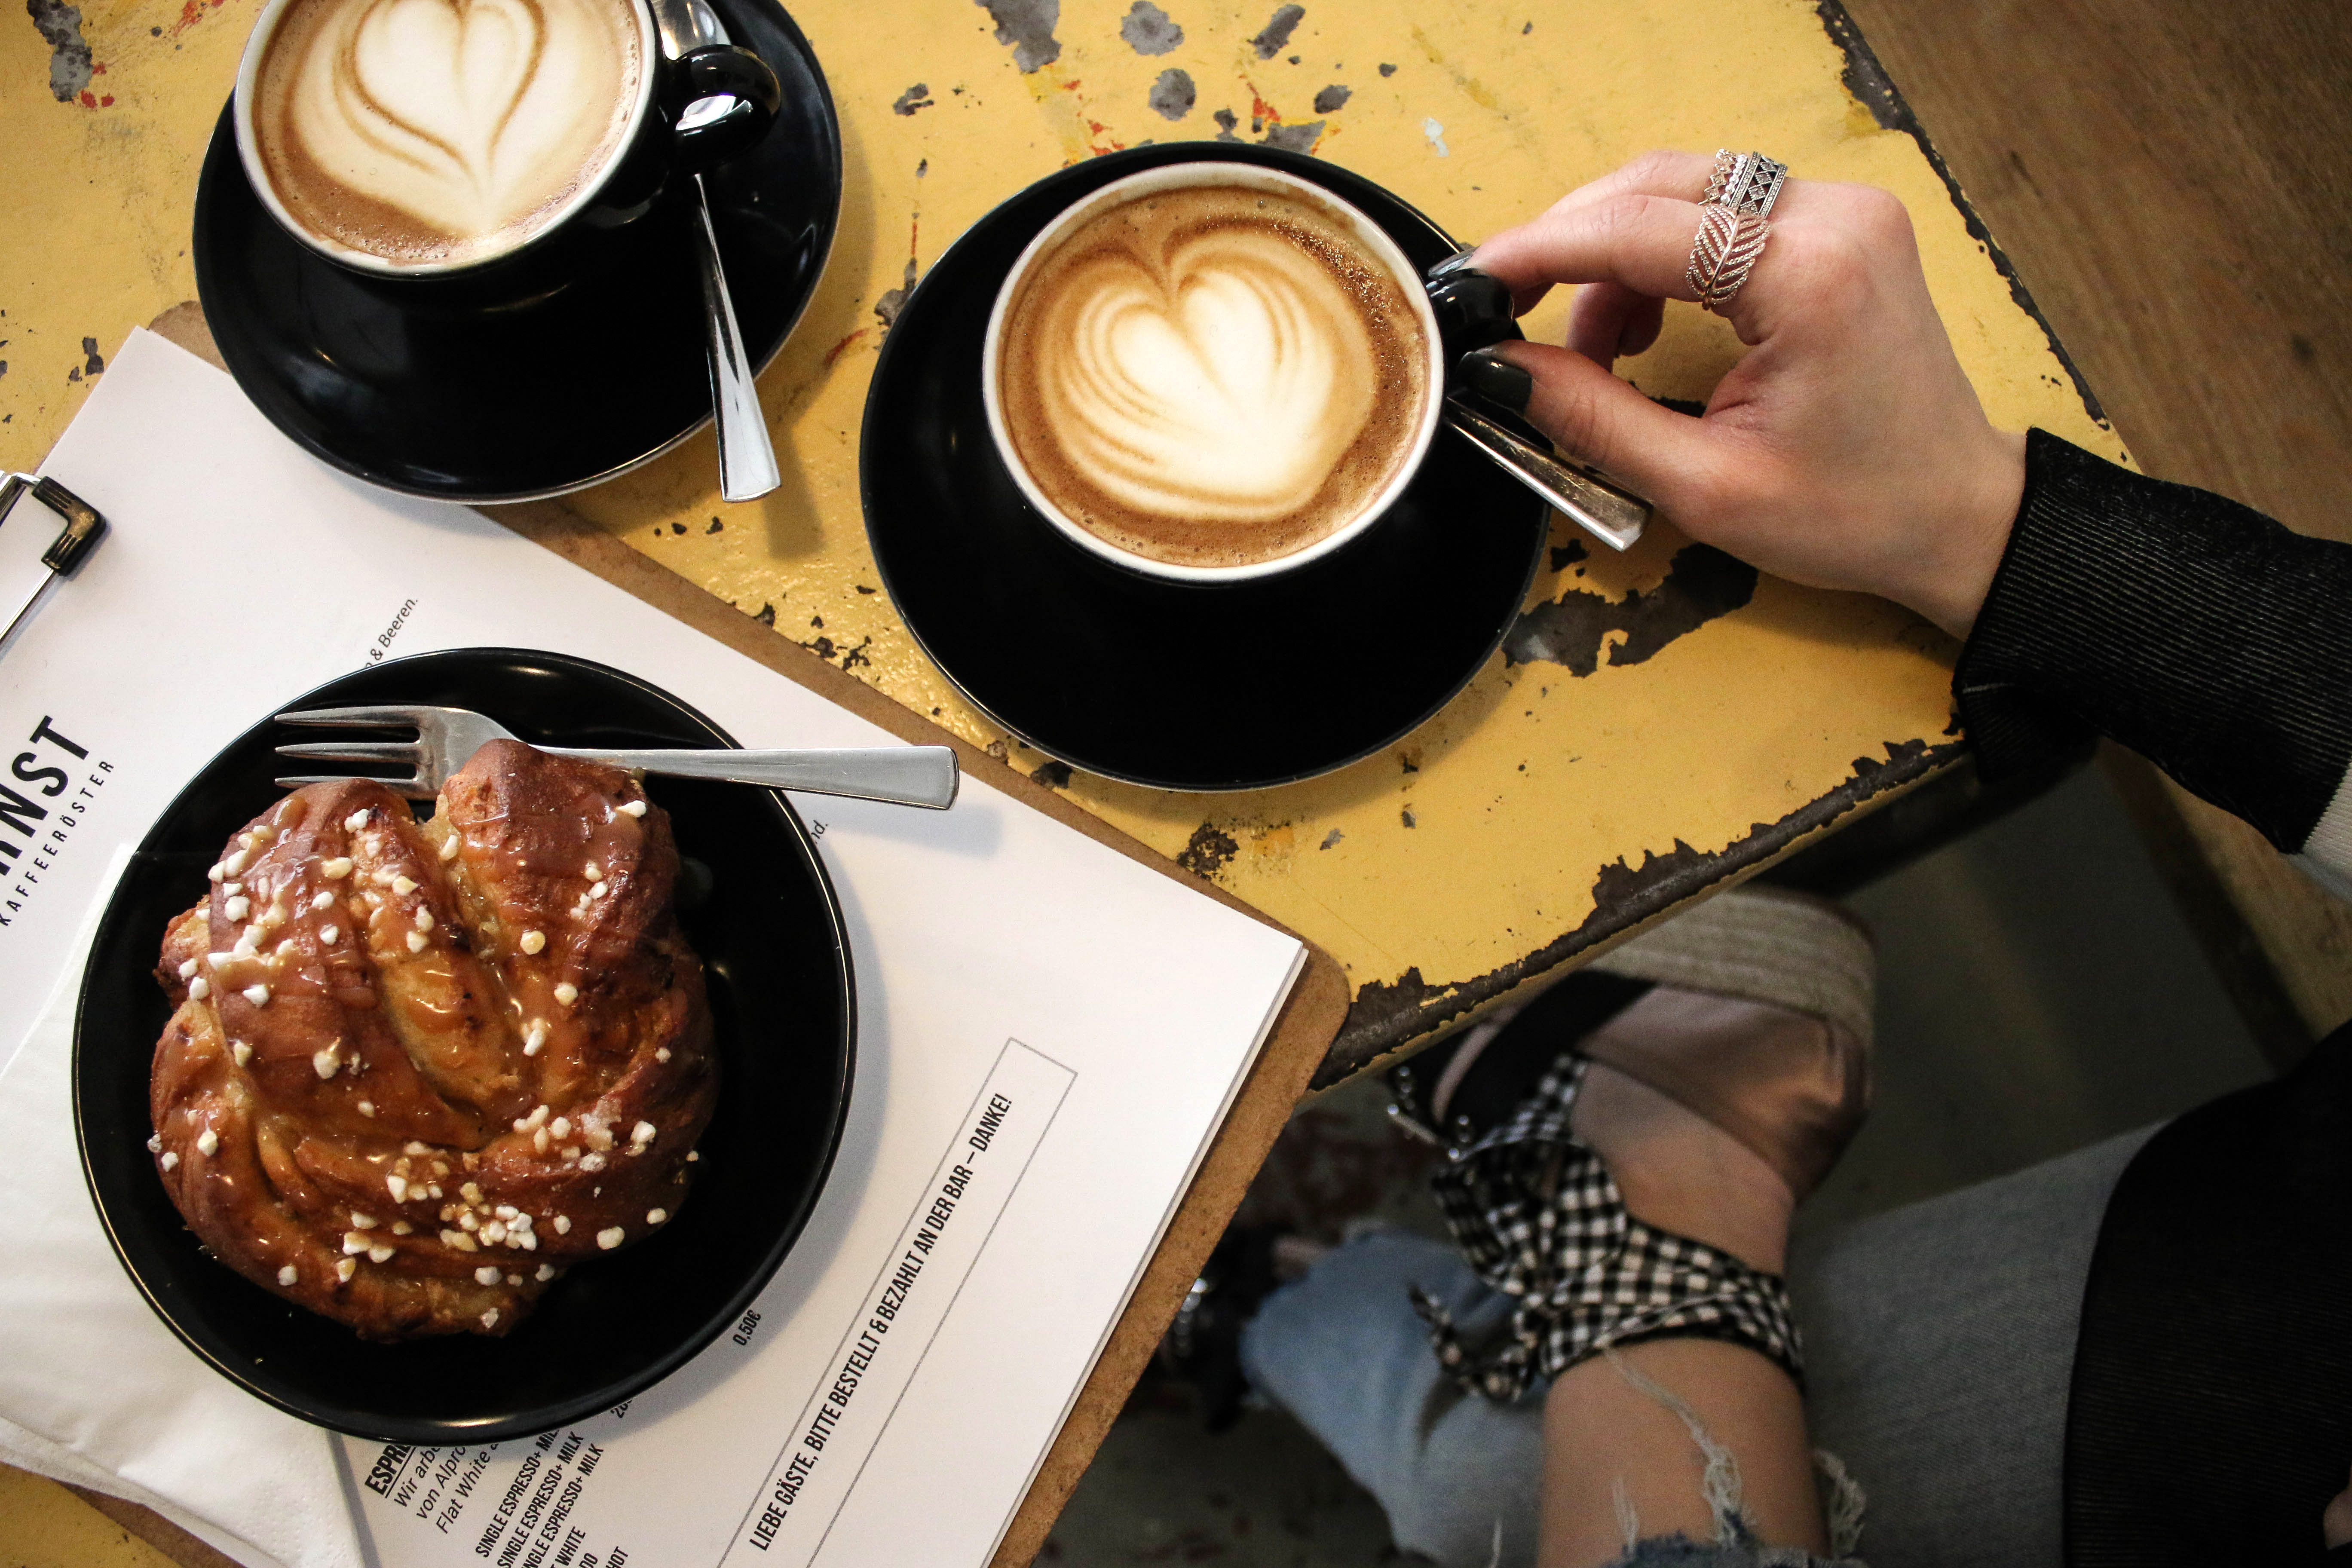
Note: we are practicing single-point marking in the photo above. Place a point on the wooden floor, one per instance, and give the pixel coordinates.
(2171, 179)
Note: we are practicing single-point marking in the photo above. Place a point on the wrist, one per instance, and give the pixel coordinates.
(1949, 580)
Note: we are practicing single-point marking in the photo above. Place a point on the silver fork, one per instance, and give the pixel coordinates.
(447, 738)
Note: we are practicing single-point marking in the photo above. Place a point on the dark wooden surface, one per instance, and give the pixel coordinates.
(2173, 181)
(2170, 178)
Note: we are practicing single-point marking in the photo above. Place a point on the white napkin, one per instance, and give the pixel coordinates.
(93, 1388)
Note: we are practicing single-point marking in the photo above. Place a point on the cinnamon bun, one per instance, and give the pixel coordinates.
(415, 1070)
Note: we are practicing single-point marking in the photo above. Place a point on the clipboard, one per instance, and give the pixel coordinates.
(83, 528)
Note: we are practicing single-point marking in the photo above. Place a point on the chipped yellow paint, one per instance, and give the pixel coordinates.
(100, 196)
(1486, 847)
(42, 1525)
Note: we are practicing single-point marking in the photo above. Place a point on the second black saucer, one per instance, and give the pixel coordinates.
(1157, 683)
(539, 395)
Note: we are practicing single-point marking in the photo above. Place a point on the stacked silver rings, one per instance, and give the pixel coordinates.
(1732, 227)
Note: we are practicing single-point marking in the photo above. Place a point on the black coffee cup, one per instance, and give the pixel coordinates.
(1377, 247)
(688, 116)
(1474, 311)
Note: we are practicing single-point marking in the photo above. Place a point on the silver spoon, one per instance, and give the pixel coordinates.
(747, 460)
(1612, 515)
(1475, 310)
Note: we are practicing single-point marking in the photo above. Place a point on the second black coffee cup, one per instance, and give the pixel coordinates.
(483, 147)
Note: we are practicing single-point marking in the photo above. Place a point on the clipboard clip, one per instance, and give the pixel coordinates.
(83, 528)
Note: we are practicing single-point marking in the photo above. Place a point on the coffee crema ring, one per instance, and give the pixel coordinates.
(1211, 376)
(441, 131)
(414, 1070)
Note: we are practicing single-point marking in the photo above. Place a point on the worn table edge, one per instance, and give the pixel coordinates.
(1868, 83)
(1389, 1022)
(1631, 900)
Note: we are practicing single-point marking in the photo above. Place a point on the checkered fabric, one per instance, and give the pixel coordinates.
(1540, 1218)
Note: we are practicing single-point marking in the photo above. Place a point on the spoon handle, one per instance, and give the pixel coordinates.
(1613, 516)
(747, 461)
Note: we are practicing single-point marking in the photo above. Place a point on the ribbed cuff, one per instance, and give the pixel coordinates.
(2191, 628)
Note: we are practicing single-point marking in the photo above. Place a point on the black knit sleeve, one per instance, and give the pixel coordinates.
(2196, 631)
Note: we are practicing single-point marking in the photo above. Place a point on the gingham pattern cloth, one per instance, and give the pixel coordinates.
(1540, 1218)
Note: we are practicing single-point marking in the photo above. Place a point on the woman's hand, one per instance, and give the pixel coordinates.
(1846, 449)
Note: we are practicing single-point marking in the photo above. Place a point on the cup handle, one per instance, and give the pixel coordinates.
(723, 99)
(1474, 311)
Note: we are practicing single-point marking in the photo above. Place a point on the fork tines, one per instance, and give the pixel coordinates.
(382, 715)
(403, 755)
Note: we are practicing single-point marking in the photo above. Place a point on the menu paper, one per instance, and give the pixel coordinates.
(836, 1433)
(1049, 1032)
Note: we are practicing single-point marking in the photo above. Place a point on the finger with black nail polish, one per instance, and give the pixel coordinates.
(1497, 382)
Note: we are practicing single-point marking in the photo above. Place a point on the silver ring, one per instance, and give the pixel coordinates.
(1732, 227)
(1746, 183)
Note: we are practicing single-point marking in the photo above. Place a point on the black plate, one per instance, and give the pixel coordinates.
(1165, 684)
(773, 947)
(463, 405)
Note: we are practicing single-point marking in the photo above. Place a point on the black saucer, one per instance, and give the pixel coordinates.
(775, 954)
(1163, 684)
(590, 379)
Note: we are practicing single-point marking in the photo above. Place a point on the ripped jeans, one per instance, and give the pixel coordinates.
(1940, 1339)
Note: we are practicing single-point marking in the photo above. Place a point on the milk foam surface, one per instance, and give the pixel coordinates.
(1211, 376)
(442, 129)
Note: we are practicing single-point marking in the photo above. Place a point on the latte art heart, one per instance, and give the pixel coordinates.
(1221, 386)
(1211, 376)
(440, 129)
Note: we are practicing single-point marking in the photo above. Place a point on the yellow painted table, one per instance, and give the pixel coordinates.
(1652, 728)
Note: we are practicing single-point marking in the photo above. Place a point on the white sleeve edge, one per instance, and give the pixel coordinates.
(2326, 855)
